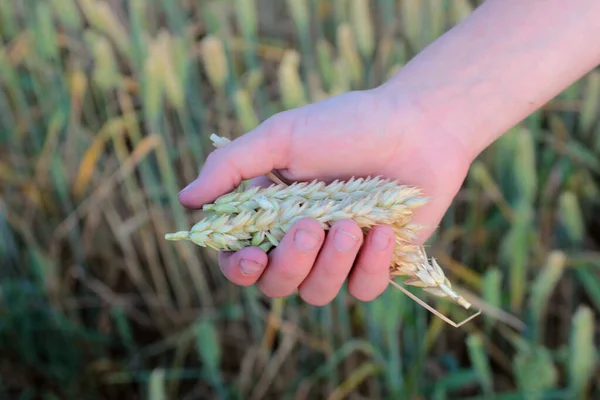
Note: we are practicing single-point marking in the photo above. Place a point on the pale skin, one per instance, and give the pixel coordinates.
(423, 127)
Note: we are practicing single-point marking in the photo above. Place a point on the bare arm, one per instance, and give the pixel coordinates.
(502, 63)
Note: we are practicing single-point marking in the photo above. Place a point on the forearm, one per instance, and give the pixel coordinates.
(502, 63)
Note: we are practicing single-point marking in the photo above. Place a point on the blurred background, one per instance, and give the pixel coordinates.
(106, 107)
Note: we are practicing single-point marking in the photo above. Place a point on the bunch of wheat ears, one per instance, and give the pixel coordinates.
(261, 217)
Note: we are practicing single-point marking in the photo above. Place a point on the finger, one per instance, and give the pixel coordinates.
(291, 261)
(370, 274)
(243, 267)
(333, 263)
(253, 154)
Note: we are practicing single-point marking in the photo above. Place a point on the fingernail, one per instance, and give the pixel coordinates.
(379, 240)
(306, 240)
(250, 267)
(344, 241)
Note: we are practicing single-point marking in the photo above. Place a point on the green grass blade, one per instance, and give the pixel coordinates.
(492, 292)
(68, 14)
(45, 33)
(515, 250)
(209, 350)
(543, 287)
(584, 356)
(591, 284)
(156, 385)
(481, 365)
(524, 167)
(571, 218)
(535, 371)
(590, 102)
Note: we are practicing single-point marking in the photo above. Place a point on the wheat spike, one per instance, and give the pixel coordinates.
(261, 217)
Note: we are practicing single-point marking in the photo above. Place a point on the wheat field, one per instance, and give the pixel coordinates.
(106, 112)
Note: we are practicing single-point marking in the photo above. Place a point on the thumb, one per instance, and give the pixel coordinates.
(249, 156)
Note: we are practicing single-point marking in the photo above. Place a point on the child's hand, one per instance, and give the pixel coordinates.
(360, 134)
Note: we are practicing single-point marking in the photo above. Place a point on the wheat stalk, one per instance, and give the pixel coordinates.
(261, 217)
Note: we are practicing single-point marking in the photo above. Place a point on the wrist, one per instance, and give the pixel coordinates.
(440, 112)
(498, 66)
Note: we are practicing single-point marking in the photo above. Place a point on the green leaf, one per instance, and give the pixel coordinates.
(208, 346)
(459, 10)
(590, 102)
(299, 12)
(412, 16)
(544, 285)
(246, 15)
(504, 151)
(68, 13)
(326, 64)
(514, 253)
(591, 284)
(583, 155)
(453, 381)
(244, 110)
(534, 371)
(44, 31)
(583, 352)
(571, 217)
(123, 327)
(156, 385)
(356, 378)
(492, 295)
(8, 22)
(524, 166)
(362, 25)
(480, 362)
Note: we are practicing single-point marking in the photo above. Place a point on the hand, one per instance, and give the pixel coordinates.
(423, 127)
(361, 133)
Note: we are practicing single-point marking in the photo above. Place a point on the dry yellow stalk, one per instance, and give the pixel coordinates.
(261, 217)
